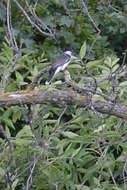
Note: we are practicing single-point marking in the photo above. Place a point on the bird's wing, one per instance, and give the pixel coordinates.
(61, 60)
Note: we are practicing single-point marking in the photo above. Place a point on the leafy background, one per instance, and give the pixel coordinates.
(66, 147)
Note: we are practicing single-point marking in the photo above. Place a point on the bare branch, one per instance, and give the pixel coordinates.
(83, 89)
(91, 19)
(31, 22)
(39, 21)
(93, 43)
(29, 180)
(8, 23)
(15, 47)
(65, 7)
(10, 31)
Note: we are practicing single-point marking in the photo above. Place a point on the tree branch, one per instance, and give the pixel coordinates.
(11, 159)
(90, 17)
(62, 98)
(31, 22)
(13, 43)
(38, 76)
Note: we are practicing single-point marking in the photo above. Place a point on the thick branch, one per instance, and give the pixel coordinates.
(60, 97)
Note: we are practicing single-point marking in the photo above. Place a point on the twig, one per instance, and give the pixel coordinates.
(113, 179)
(6, 77)
(29, 180)
(31, 22)
(38, 76)
(82, 89)
(31, 119)
(40, 23)
(65, 7)
(8, 23)
(103, 155)
(91, 19)
(15, 47)
(93, 43)
(10, 163)
(11, 34)
(65, 126)
(56, 125)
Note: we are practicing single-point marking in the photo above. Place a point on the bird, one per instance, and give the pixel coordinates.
(60, 64)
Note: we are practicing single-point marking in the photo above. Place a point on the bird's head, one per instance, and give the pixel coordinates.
(68, 51)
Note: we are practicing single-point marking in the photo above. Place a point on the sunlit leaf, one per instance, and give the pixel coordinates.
(83, 50)
(69, 134)
(124, 83)
(75, 66)
(2, 172)
(94, 63)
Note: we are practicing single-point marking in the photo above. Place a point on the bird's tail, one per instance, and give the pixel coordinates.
(52, 74)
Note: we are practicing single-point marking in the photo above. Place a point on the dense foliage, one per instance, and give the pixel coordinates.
(54, 147)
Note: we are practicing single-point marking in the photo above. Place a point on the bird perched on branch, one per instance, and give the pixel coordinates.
(60, 64)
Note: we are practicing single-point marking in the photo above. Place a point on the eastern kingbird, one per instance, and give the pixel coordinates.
(60, 64)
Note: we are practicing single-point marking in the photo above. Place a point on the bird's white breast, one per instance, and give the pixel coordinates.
(64, 66)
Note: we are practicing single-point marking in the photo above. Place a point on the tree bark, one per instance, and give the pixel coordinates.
(62, 98)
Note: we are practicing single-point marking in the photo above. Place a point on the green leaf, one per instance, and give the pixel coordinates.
(7, 132)
(75, 66)
(34, 71)
(49, 121)
(123, 83)
(65, 20)
(15, 184)
(2, 172)
(25, 132)
(83, 50)
(69, 134)
(94, 63)
(61, 145)
(115, 68)
(69, 150)
(22, 142)
(18, 76)
(76, 151)
(115, 61)
(16, 116)
(3, 59)
(83, 187)
(9, 123)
